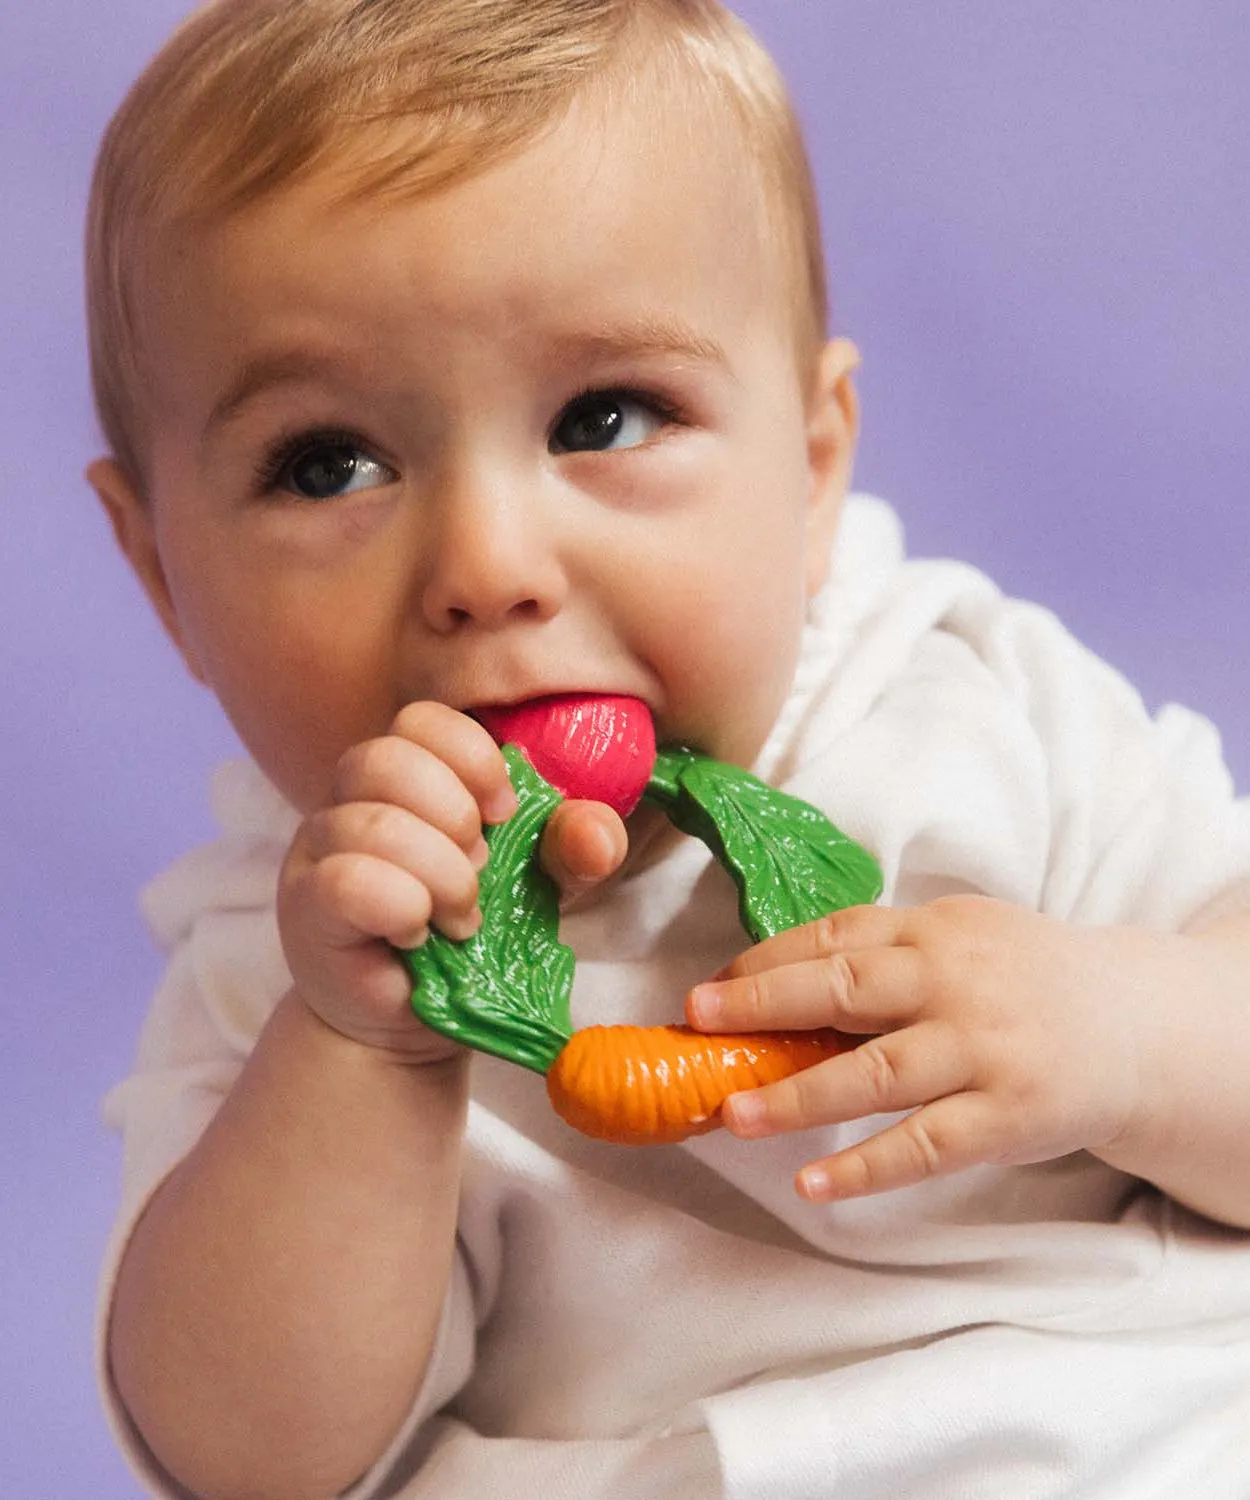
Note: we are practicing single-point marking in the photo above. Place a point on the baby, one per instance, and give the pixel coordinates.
(456, 353)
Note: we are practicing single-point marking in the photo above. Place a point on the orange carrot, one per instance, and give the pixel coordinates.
(653, 1085)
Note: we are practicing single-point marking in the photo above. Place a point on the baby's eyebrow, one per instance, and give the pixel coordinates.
(280, 367)
(649, 335)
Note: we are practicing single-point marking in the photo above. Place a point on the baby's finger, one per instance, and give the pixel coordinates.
(355, 895)
(388, 834)
(838, 932)
(415, 782)
(884, 1075)
(463, 744)
(947, 1136)
(863, 992)
(582, 844)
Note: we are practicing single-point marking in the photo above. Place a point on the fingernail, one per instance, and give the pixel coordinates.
(499, 807)
(598, 856)
(705, 1005)
(479, 854)
(745, 1113)
(612, 846)
(814, 1182)
(464, 928)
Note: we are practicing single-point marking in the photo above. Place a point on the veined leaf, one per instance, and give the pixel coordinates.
(789, 862)
(506, 989)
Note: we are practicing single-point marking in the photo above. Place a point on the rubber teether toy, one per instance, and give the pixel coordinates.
(506, 989)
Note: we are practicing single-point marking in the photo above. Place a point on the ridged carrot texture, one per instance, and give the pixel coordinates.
(506, 989)
(655, 1085)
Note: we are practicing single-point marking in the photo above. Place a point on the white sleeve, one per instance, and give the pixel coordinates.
(1146, 827)
(225, 976)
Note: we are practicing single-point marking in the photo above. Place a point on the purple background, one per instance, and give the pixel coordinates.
(1038, 227)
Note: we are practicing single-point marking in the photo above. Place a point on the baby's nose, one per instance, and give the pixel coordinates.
(493, 559)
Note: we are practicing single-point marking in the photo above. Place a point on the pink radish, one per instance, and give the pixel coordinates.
(585, 744)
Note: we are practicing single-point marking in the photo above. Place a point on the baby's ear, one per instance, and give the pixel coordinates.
(130, 515)
(832, 433)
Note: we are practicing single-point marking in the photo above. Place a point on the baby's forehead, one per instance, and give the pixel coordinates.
(587, 182)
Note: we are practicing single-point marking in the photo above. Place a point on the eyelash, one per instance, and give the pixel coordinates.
(668, 411)
(283, 452)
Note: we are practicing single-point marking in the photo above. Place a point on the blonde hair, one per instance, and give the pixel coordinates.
(249, 96)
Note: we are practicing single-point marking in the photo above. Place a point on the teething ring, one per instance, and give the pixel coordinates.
(506, 989)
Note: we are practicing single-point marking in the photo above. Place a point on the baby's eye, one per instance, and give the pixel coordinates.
(604, 420)
(327, 469)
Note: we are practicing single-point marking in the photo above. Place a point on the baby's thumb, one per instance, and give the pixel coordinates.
(583, 843)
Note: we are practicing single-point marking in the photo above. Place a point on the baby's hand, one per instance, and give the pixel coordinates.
(397, 849)
(1011, 1037)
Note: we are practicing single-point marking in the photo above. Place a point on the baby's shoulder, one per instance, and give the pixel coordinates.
(896, 621)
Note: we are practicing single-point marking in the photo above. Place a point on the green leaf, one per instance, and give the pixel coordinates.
(506, 989)
(789, 862)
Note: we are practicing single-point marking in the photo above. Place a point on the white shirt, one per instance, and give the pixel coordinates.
(675, 1321)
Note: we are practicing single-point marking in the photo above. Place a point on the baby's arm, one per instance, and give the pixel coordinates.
(1013, 1038)
(277, 1305)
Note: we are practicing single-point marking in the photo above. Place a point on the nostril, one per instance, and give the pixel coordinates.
(457, 615)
